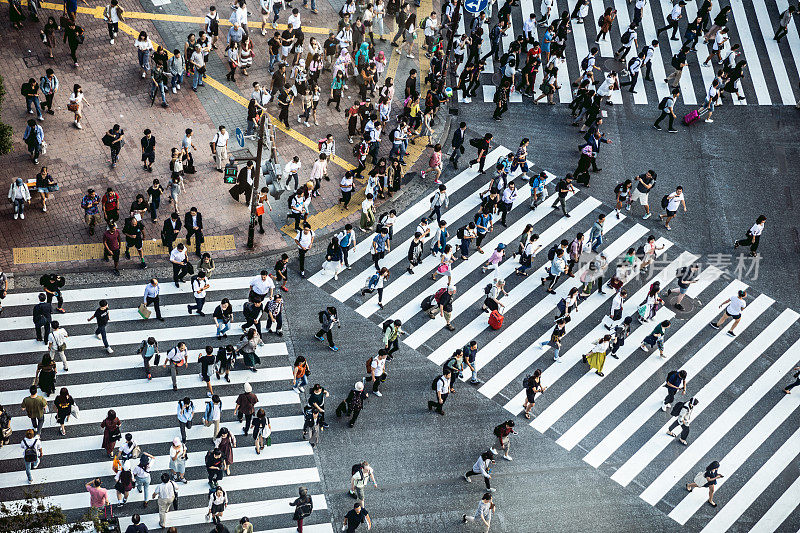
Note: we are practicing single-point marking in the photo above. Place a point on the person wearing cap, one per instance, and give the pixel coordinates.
(246, 407)
(244, 526)
(303, 507)
(353, 404)
(177, 460)
(165, 494)
(495, 258)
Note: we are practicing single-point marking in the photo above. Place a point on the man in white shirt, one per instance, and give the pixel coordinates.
(199, 287)
(629, 40)
(647, 61)
(220, 142)
(672, 20)
(674, 200)
(377, 372)
(509, 195)
(430, 30)
(212, 25)
(546, 8)
(165, 494)
(262, 287)
(735, 306)
(180, 264)
(294, 19)
(442, 391)
(57, 343)
(615, 314)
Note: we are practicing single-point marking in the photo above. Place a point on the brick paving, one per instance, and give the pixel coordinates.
(109, 75)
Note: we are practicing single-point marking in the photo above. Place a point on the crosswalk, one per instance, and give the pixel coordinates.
(615, 422)
(260, 486)
(772, 76)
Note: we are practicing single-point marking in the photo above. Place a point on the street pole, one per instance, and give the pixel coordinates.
(251, 231)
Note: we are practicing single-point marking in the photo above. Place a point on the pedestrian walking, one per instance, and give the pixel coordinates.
(304, 240)
(311, 427)
(753, 236)
(503, 433)
(735, 306)
(248, 344)
(596, 358)
(376, 371)
(303, 507)
(176, 357)
(180, 264)
(215, 467)
(19, 195)
(246, 407)
(102, 317)
(673, 201)
(483, 467)
(796, 376)
(123, 483)
(644, 183)
(656, 338)
(532, 385)
(64, 404)
(353, 404)
(217, 503)
(200, 285)
(783, 23)
(111, 432)
(112, 242)
(707, 479)
(177, 460)
(686, 276)
(683, 413)
(442, 389)
(355, 517)
(676, 381)
(485, 511)
(185, 416)
(667, 108)
(327, 318)
(57, 343)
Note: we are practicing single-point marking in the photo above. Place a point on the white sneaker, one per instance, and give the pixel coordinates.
(709, 120)
(109, 350)
(30, 111)
(178, 85)
(112, 41)
(174, 90)
(143, 74)
(627, 208)
(307, 124)
(493, 451)
(493, 489)
(44, 209)
(22, 216)
(410, 56)
(508, 457)
(78, 125)
(100, 337)
(664, 407)
(16, 216)
(345, 87)
(467, 100)
(645, 217)
(299, 120)
(378, 393)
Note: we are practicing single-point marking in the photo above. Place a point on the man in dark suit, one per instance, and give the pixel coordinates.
(458, 144)
(193, 221)
(169, 233)
(244, 182)
(42, 315)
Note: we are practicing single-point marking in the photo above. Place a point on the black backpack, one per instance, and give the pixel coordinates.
(665, 201)
(626, 37)
(435, 383)
(497, 429)
(304, 509)
(551, 253)
(460, 232)
(321, 314)
(526, 381)
(585, 63)
(387, 324)
(676, 409)
(640, 251)
(676, 62)
(30, 453)
(671, 374)
(356, 468)
(487, 289)
(663, 103)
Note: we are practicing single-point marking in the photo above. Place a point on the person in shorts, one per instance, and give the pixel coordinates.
(643, 184)
(735, 306)
(282, 271)
(686, 276)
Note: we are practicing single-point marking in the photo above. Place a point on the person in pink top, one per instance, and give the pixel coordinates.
(435, 164)
(98, 496)
(495, 258)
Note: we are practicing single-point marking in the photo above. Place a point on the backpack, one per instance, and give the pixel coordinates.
(632, 61)
(663, 103)
(357, 150)
(369, 365)
(677, 408)
(498, 429)
(601, 20)
(387, 324)
(618, 188)
(460, 232)
(676, 62)
(320, 143)
(487, 289)
(435, 383)
(665, 201)
(321, 314)
(373, 281)
(79, 37)
(640, 251)
(551, 253)
(526, 381)
(424, 22)
(476, 142)
(439, 294)
(22, 88)
(393, 134)
(30, 454)
(626, 37)
(585, 63)
(207, 413)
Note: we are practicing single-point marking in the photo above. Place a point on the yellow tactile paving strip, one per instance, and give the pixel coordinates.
(75, 252)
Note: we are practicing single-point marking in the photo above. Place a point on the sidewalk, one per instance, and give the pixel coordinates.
(116, 93)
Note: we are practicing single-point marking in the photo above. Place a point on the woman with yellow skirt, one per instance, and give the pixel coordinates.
(596, 357)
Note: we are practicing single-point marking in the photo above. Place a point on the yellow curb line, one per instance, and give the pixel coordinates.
(74, 252)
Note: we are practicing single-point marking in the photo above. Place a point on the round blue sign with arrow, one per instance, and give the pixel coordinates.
(240, 137)
(475, 6)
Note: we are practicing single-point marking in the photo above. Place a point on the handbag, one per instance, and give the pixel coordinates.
(269, 441)
(700, 479)
(260, 209)
(74, 411)
(642, 310)
(442, 268)
(73, 106)
(115, 434)
(43, 149)
(144, 312)
(175, 500)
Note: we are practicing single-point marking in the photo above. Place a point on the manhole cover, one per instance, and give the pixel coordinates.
(32, 61)
(688, 304)
(612, 64)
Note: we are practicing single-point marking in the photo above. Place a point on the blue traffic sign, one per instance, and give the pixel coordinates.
(476, 6)
(240, 137)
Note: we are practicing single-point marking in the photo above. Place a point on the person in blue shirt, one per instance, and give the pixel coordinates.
(380, 245)
(483, 224)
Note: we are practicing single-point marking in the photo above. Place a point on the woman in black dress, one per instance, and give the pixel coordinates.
(63, 403)
(46, 375)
